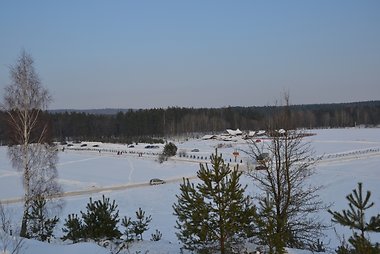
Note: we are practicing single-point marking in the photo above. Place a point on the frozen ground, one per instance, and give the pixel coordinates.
(351, 155)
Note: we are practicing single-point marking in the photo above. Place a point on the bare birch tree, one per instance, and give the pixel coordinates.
(288, 204)
(30, 149)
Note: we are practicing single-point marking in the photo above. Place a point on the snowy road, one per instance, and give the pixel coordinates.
(362, 154)
(99, 190)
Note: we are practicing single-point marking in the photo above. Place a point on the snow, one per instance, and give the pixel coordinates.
(351, 155)
(36, 247)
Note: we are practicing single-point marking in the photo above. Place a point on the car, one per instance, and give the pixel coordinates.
(261, 167)
(195, 150)
(151, 147)
(262, 157)
(156, 181)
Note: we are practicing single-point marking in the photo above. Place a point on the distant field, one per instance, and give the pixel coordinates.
(351, 155)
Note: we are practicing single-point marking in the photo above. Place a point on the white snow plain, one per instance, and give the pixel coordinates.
(351, 155)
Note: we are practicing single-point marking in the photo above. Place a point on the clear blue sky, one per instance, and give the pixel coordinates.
(198, 53)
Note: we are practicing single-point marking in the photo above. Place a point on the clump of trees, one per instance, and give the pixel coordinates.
(354, 218)
(170, 149)
(214, 214)
(100, 222)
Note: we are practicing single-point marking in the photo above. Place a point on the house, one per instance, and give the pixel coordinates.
(236, 132)
(207, 137)
(260, 133)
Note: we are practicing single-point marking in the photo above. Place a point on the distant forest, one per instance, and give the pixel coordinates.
(145, 124)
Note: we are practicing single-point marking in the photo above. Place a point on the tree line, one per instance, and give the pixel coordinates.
(133, 125)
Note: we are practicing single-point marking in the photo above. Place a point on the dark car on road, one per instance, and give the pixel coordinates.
(156, 181)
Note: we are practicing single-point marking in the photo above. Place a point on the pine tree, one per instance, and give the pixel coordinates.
(100, 219)
(141, 224)
(40, 227)
(355, 219)
(265, 221)
(73, 228)
(156, 236)
(214, 214)
(135, 229)
(128, 232)
(170, 149)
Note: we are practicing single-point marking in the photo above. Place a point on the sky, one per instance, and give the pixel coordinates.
(200, 53)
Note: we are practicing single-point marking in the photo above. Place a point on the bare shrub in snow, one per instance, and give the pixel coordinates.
(10, 241)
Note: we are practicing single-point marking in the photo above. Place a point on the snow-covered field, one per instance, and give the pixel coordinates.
(350, 155)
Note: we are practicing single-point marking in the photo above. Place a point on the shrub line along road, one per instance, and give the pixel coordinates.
(345, 156)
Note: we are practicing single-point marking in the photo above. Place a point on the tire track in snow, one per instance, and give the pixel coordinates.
(76, 161)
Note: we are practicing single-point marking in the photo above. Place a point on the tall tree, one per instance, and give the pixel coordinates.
(214, 214)
(287, 215)
(30, 149)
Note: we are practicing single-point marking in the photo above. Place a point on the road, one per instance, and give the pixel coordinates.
(347, 156)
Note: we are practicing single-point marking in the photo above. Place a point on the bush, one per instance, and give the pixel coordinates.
(162, 158)
(170, 149)
(135, 229)
(40, 227)
(73, 228)
(100, 220)
(97, 223)
(156, 236)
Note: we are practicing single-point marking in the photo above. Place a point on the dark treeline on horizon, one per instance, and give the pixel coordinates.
(132, 125)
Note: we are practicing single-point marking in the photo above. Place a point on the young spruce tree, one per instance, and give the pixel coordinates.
(134, 229)
(40, 226)
(355, 219)
(73, 227)
(215, 214)
(100, 219)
